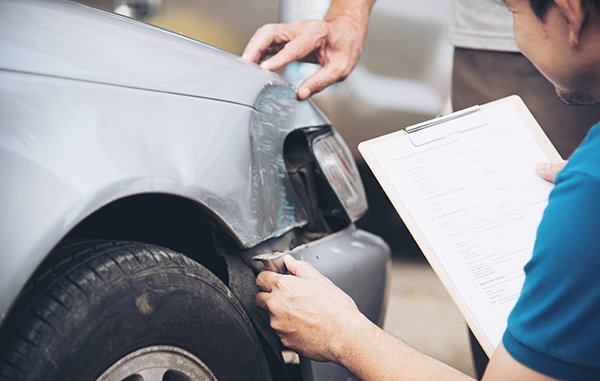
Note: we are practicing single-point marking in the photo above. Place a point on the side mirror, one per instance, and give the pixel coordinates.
(138, 9)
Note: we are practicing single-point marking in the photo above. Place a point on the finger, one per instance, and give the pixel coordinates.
(295, 50)
(261, 41)
(265, 280)
(549, 171)
(261, 300)
(301, 269)
(291, 264)
(324, 77)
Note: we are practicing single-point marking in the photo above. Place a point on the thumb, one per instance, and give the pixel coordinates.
(300, 269)
(549, 171)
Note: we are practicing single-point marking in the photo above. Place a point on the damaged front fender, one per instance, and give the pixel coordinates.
(273, 207)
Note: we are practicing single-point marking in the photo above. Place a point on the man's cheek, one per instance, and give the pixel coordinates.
(519, 38)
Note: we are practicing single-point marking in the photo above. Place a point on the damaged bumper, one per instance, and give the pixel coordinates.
(359, 263)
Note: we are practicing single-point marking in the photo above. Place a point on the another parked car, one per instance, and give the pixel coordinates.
(143, 173)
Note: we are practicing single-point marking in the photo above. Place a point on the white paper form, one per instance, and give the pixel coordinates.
(477, 199)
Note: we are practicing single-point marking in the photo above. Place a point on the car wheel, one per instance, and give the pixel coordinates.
(106, 310)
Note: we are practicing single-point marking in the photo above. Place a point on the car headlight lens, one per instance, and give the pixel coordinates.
(338, 166)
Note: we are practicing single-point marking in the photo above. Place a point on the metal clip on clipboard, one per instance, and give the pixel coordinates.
(456, 122)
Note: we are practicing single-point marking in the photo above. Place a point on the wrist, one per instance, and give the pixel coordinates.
(349, 338)
(356, 14)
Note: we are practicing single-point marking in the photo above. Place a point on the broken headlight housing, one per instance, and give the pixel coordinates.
(339, 168)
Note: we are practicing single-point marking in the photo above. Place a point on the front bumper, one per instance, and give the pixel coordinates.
(359, 263)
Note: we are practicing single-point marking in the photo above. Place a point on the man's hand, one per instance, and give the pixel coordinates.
(549, 171)
(335, 43)
(309, 313)
(318, 320)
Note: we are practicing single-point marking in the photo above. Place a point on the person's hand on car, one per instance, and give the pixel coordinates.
(335, 43)
(308, 312)
(549, 171)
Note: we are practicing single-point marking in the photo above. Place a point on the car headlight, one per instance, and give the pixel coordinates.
(338, 166)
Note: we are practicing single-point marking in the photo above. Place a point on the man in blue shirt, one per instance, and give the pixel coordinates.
(553, 331)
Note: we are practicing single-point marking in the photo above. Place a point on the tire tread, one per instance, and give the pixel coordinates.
(74, 274)
(44, 300)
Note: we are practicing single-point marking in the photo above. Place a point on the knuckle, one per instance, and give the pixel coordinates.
(279, 283)
(277, 309)
(318, 28)
(341, 71)
(268, 28)
(298, 23)
(292, 48)
(305, 265)
(276, 325)
(260, 301)
(260, 279)
(268, 32)
(347, 69)
(259, 276)
(286, 342)
(319, 84)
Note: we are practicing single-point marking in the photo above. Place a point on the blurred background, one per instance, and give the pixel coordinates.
(402, 78)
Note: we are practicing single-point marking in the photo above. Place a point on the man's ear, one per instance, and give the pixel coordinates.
(575, 14)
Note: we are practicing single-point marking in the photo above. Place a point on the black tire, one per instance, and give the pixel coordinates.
(99, 301)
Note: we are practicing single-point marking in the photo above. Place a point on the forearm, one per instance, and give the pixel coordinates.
(318, 320)
(372, 354)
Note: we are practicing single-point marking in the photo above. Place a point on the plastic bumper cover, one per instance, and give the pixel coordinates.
(359, 263)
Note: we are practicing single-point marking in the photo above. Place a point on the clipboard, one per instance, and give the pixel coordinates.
(455, 182)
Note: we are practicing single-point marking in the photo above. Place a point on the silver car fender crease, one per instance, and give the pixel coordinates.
(274, 202)
(273, 208)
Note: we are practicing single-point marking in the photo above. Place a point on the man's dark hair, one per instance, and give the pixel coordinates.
(539, 6)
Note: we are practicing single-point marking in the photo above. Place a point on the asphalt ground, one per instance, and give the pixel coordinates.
(421, 313)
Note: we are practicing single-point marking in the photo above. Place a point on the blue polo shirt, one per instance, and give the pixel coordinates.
(555, 326)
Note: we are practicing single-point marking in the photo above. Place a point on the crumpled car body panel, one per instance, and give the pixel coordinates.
(211, 131)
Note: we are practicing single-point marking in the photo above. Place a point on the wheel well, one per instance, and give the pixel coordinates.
(169, 221)
(184, 226)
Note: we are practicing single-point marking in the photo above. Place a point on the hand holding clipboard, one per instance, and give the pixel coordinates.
(465, 186)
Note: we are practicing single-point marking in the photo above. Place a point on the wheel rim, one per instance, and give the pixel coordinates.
(158, 363)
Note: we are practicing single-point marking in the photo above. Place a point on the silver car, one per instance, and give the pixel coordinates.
(146, 179)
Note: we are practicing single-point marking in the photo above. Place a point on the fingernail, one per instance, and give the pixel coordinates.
(544, 167)
(244, 56)
(304, 93)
